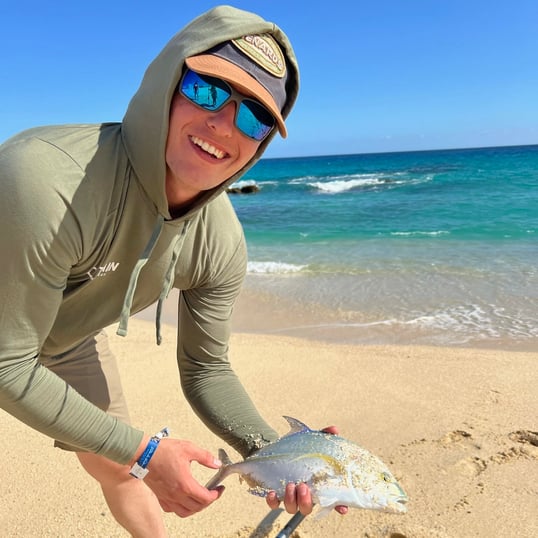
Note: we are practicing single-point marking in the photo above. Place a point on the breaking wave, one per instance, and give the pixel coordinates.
(254, 267)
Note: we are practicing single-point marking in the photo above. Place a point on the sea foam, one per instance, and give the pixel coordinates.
(273, 267)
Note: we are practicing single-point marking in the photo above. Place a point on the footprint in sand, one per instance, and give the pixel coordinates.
(472, 466)
(527, 443)
(455, 436)
(525, 436)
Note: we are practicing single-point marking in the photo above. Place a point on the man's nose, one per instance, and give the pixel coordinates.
(222, 121)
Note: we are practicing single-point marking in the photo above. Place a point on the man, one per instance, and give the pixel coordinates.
(100, 221)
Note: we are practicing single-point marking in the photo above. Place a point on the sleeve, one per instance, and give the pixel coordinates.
(40, 239)
(208, 380)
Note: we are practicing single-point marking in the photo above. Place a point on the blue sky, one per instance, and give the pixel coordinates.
(377, 75)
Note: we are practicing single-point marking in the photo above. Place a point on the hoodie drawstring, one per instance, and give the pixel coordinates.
(129, 295)
(167, 284)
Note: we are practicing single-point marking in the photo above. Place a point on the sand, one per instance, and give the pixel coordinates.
(456, 426)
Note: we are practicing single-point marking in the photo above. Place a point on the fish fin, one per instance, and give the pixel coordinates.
(296, 425)
(326, 504)
(224, 457)
(222, 473)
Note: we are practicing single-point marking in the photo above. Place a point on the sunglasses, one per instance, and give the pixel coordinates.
(211, 93)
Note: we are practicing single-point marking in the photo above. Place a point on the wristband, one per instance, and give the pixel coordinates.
(139, 469)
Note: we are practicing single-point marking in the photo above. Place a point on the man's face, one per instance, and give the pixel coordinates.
(203, 150)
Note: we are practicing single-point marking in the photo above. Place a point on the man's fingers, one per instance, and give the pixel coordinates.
(272, 500)
(203, 457)
(290, 499)
(304, 499)
(184, 507)
(296, 498)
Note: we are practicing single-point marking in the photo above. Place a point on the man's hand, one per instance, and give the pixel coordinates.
(171, 480)
(298, 497)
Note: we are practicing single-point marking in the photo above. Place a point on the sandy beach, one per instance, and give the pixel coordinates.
(456, 426)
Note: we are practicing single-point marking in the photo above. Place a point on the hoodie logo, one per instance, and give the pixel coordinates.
(264, 50)
(102, 270)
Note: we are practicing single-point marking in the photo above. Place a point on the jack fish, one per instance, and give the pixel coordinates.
(337, 471)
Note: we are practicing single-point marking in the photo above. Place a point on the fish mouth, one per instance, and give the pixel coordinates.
(399, 505)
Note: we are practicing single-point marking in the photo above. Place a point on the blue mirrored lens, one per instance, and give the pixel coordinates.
(210, 93)
(207, 92)
(254, 120)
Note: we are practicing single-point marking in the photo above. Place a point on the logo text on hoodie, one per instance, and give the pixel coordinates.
(102, 270)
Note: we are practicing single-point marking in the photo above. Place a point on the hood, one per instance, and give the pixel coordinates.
(145, 125)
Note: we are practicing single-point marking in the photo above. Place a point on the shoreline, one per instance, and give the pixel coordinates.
(455, 426)
(262, 313)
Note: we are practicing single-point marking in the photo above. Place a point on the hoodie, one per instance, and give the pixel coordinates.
(87, 240)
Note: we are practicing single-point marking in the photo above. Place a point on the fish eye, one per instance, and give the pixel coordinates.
(386, 477)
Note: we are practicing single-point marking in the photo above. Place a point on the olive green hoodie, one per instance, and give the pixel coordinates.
(87, 240)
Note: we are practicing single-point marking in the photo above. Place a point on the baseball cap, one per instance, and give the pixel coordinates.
(254, 64)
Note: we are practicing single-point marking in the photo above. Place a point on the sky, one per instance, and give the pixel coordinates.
(376, 75)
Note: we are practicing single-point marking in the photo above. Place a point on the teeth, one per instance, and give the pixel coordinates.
(212, 150)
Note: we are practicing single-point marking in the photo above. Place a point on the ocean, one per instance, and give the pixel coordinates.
(429, 247)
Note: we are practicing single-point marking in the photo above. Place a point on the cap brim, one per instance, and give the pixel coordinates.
(208, 64)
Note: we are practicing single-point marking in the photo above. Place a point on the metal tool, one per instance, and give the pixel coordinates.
(292, 524)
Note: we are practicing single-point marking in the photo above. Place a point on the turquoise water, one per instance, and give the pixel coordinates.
(437, 247)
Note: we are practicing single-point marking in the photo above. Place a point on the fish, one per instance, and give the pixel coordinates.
(337, 471)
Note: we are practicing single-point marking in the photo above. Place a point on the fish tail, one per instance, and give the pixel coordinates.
(221, 474)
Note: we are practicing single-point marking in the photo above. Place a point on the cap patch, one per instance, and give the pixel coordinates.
(263, 50)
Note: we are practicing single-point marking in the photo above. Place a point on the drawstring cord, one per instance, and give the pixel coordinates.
(128, 301)
(167, 284)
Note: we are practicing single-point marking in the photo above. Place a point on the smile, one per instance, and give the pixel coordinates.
(208, 148)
